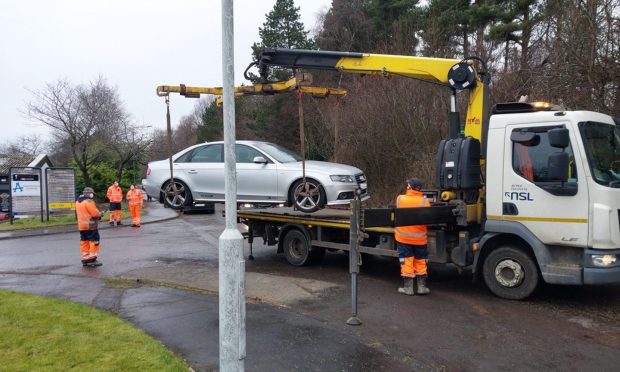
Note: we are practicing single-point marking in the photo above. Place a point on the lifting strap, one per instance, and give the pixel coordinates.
(169, 138)
(302, 137)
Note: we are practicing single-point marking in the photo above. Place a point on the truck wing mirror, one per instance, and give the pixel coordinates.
(525, 138)
(558, 137)
(259, 160)
(558, 167)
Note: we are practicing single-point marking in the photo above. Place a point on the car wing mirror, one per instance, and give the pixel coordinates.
(260, 160)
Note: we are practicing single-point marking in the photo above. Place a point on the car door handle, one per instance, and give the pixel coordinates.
(192, 172)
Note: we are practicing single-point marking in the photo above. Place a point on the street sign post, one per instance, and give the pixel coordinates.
(26, 196)
(60, 188)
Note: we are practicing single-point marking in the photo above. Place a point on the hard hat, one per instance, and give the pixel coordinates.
(116, 182)
(414, 183)
(88, 190)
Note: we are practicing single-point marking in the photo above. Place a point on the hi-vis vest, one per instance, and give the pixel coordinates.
(134, 197)
(87, 214)
(115, 194)
(414, 234)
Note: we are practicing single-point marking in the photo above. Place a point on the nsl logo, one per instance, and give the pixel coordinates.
(518, 196)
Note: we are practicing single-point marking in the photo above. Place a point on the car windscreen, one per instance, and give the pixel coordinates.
(279, 153)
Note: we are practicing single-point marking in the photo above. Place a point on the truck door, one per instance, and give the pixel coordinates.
(556, 212)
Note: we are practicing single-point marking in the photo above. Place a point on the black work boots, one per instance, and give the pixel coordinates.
(421, 287)
(408, 287)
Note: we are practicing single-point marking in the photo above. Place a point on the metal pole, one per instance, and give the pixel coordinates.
(354, 264)
(172, 187)
(231, 262)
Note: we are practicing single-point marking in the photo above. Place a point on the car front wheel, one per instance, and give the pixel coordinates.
(307, 197)
(176, 195)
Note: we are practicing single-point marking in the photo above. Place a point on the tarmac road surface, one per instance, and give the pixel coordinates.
(163, 278)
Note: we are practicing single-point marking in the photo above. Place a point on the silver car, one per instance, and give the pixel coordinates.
(266, 174)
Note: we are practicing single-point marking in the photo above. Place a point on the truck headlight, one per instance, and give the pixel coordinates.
(342, 178)
(603, 260)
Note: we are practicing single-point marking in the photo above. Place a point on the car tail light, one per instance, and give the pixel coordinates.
(148, 171)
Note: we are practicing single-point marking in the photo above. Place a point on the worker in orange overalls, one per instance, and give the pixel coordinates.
(88, 216)
(411, 241)
(135, 200)
(115, 196)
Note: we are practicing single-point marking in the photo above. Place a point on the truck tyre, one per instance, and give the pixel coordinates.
(510, 273)
(298, 251)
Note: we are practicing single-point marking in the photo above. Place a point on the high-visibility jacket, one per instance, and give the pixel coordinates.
(87, 213)
(414, 234)
(134, 197)
(115, 194)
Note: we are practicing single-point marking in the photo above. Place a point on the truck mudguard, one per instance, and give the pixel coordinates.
(568, 269)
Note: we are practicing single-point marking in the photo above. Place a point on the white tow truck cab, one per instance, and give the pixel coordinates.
(553, 192)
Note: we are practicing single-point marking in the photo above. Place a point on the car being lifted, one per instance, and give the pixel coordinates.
(266, 174)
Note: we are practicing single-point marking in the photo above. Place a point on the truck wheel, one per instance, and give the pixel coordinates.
(298, 251)
(510, 273)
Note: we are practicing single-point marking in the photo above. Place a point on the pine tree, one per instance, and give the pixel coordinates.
(282, 29)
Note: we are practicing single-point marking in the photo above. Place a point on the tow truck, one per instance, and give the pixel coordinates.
(544, 208)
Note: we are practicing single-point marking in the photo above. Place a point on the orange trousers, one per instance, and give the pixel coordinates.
(136, 211)
(89, 245)
(412, 267)
(115, 216)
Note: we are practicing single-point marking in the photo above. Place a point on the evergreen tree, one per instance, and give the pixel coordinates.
(282, 29)
(212, 123)
(516, 20)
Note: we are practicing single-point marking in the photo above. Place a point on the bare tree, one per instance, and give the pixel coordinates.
(129, 144)
(83, 117)
(28, 145)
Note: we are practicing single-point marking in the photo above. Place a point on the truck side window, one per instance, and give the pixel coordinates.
(530, 160)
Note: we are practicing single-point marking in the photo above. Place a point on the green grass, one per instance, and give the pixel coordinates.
(46, 334)
(35, 223)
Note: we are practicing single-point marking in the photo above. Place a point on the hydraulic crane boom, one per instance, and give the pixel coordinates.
(453, 73)
(300, 83)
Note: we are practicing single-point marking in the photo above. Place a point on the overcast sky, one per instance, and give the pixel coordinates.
(135, 44)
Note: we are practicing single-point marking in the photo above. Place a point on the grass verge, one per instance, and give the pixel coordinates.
(46, 334)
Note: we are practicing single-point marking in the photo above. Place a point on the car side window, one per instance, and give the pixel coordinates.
(208, 154)
(185, 158)
(246, 154)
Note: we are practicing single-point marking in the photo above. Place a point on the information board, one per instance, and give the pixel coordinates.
(60, 191)
(26, 192)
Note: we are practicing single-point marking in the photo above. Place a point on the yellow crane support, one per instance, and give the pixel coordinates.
(300, 83)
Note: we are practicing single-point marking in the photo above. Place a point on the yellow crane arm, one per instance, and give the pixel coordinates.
(299, 83)
(453, 73)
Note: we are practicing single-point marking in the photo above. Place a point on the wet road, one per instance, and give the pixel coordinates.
(459, 327)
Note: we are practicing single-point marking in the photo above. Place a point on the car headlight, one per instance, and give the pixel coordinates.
(342, 178)
(603, 260)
